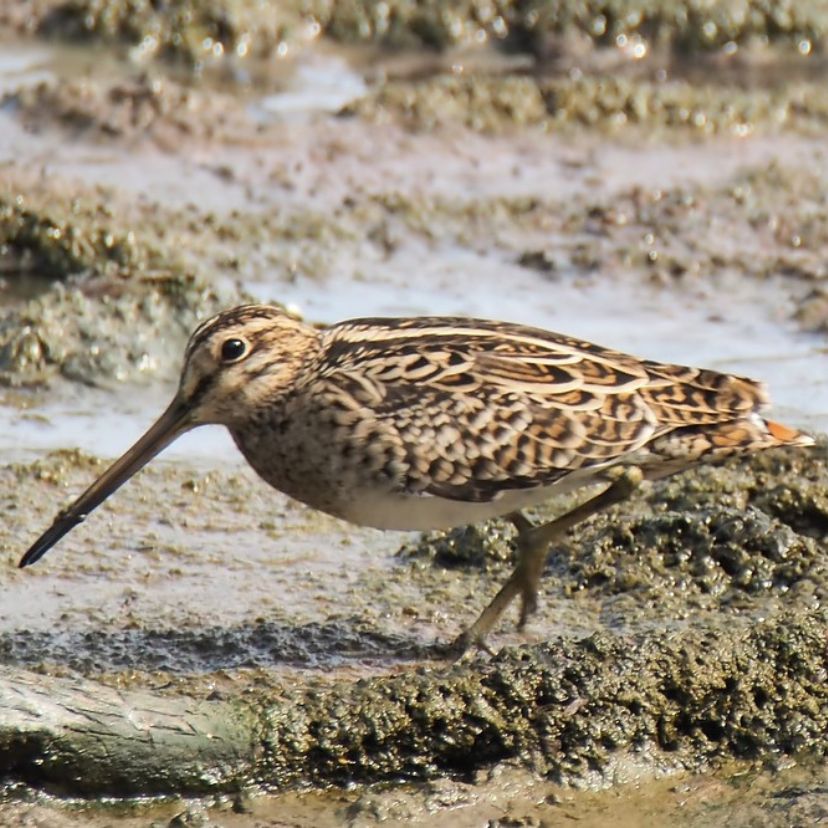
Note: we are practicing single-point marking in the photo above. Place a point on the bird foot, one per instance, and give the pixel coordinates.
(467, 644)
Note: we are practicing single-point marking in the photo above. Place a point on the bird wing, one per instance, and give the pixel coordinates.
(502, 407)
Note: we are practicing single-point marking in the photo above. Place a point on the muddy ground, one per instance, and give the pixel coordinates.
(655, 181)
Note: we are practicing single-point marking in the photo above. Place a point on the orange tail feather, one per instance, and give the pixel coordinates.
(787, 436)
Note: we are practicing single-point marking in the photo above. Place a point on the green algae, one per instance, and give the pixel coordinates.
(610, 103)
(197, 32)
(183, 31)
(694, 26)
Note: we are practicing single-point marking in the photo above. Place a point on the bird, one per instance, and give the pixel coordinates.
(430, 422)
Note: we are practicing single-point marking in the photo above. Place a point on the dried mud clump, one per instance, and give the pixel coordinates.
(466, 547)
(101, 340)
(493, 104)
(113, 298)
(713, 542)
(571, 709)
(723, 553)
(55, 241)
(728, 538)
(135, 108)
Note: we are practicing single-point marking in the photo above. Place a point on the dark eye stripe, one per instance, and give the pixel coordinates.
(201, 389)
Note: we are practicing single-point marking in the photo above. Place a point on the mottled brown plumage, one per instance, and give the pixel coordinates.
(432, 422)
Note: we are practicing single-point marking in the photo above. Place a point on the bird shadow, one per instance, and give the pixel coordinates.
(261, 643)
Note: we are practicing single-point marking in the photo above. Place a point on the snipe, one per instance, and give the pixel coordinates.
(431, 422)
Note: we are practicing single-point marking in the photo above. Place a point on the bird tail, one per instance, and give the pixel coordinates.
(784, 436)
(682, 447)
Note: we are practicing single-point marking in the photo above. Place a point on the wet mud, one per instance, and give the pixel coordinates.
(652, 179)
(198, 32)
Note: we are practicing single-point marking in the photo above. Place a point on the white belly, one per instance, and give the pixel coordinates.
(385, 510)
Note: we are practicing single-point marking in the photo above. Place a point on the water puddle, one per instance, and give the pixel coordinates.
(23, 65)
(796, 794)
(103, 423)
(319, 83)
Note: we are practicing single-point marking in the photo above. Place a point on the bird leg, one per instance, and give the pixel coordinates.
(533, 543)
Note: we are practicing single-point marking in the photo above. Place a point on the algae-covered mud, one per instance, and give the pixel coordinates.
(652, 177)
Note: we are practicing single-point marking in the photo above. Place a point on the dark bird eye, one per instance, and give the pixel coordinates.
(233, 349)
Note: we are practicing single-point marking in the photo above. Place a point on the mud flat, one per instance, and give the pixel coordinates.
(655, 181)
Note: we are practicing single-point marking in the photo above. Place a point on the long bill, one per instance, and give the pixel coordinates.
(173, 422)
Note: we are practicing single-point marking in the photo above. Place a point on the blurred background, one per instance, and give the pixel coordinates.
(650, 176)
